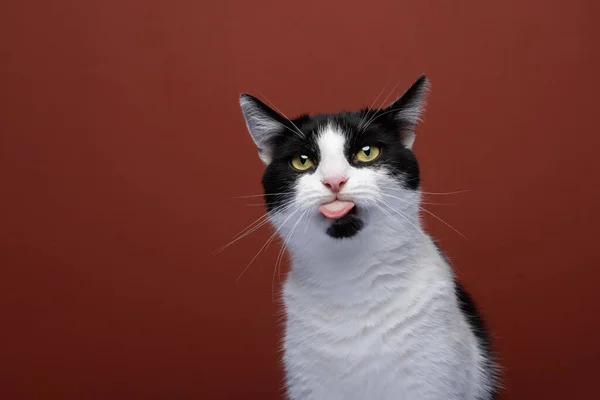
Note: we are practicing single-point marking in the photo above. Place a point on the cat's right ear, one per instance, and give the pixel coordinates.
(408, 108)
(263, 124)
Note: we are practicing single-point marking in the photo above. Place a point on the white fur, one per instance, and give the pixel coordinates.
(374, 316)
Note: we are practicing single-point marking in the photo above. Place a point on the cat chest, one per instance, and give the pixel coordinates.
(385, 351)
(360, 370)
(377, 368)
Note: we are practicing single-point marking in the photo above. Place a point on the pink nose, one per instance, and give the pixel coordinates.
(334, 183)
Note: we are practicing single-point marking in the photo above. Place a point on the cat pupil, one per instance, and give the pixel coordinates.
(366, 150)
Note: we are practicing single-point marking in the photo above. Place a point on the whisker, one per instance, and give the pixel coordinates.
(380, 115)
(373, 194)
(444, 222)
(253, 227)
(281, 254)
(288, 128)
(285, 116)
(266, 243)
(448, 193)
(291, 130)
(277, 210)
(274, 272)
(428, 193)
(364, 117)
(427, 211)
(264, 194)
(395, 219)
(257, 224)
(403, 216)
(389, 94)
(272, 203)
(376, 115)
(308, 222)
(254, 258)
(397, 189)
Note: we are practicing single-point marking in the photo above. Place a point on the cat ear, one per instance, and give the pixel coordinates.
(263, 124)
(408, 109)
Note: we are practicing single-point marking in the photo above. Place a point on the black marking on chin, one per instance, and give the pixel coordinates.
(346, 227)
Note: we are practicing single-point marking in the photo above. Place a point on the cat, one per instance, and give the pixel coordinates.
(373, 310)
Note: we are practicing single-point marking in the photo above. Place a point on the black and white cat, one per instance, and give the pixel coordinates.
(373, 309)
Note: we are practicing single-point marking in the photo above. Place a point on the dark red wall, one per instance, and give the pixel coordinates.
(122, 148)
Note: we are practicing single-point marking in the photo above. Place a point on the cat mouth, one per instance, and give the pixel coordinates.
(344, 219)
(337, 209)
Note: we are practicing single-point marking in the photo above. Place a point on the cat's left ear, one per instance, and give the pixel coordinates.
(408, 109)
(263, 123)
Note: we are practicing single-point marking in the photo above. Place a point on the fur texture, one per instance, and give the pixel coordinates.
(373, 309)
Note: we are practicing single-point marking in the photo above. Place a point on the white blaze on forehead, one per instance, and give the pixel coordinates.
(331, 144)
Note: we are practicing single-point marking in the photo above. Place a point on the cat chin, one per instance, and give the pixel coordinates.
(347, 226)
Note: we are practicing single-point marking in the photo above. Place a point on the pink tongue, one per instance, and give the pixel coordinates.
(336, 209)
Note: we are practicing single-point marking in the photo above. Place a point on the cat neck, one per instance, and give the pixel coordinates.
(386, 246)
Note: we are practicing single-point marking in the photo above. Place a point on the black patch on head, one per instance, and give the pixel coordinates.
(280, 177)
(478, 327)
(382, 131)
(345, 227)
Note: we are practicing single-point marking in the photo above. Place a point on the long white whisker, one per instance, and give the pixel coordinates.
(285, 116)
(364, 117)
(373, 193)
(380, 115)
(401, 214)
(444, 222)
(257, 253)
(447, 193)
(308, 222)
(244, 232)
(427, 193)
(261, 195)
(266, 243)
(427, 211)
(281, 253)
(253, 227)
(291, 130)
(382, 103)
(393, 217)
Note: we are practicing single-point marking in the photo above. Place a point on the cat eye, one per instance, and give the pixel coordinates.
(302, 162)
(368, 153)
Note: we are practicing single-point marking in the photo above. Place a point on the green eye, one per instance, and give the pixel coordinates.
(302, 162)
(368, 153)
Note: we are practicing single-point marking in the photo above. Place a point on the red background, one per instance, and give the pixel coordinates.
(122, 148)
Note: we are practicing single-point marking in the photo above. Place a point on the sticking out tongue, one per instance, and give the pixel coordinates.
(336, 209)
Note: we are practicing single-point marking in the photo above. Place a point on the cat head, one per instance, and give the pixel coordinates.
(335, 176)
